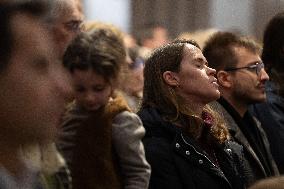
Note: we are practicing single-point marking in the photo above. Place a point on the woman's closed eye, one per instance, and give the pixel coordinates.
(80, 89)
(200, 65)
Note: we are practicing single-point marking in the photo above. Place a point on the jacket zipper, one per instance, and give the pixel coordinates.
(206, 158)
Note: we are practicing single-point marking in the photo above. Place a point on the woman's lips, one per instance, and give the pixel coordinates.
(214, 82)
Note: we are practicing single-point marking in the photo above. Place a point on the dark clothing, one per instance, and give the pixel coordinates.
(249, 128)
(271, 116)
(247, 131)
(253, 135)
(178, 161)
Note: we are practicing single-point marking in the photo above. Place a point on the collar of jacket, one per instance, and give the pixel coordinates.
(239, 137)
(155, 125)
(187, 148)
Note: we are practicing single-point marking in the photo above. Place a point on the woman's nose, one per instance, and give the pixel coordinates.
(211, 71)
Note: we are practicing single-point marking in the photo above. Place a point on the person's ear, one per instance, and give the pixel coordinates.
(224, 79)
(171, 78)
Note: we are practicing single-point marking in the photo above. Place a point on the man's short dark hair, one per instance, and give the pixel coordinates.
(219, 49)
(9, 8)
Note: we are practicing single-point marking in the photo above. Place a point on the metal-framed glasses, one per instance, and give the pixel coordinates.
(257, 67)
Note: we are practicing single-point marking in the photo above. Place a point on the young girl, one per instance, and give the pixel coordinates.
(101, 138)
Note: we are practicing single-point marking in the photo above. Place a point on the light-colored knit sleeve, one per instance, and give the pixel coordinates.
(127, 134)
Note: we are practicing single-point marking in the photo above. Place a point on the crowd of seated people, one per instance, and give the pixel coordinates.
(87, 106)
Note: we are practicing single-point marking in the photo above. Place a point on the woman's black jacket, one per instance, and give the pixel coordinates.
(178, 162)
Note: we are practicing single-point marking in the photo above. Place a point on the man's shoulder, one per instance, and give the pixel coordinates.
(218, 107)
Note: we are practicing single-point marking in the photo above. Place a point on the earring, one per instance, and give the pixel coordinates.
(171, 90)
(177, 85)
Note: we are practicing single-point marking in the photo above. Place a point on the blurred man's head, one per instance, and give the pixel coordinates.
(65, 20)
(273, 43)
(273, 51)
(34, 86)
(153, 36)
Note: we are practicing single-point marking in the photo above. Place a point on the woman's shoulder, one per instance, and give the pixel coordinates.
(157, 149)
(155, 124)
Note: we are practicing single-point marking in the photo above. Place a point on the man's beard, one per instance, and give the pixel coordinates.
(245, 96)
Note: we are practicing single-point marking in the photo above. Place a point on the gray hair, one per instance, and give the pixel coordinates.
(58, 8)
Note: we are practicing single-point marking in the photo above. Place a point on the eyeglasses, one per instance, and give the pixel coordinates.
(74, 25)
(257, 67)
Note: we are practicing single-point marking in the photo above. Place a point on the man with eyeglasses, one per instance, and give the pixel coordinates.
(241, 78)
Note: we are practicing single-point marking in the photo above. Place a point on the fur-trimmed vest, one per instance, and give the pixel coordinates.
(94, 163)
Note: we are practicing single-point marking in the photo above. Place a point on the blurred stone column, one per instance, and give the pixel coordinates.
(177, 16)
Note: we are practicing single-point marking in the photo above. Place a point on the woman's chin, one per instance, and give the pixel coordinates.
(216, 95)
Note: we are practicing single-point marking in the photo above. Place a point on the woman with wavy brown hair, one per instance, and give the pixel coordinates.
(186, 144)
